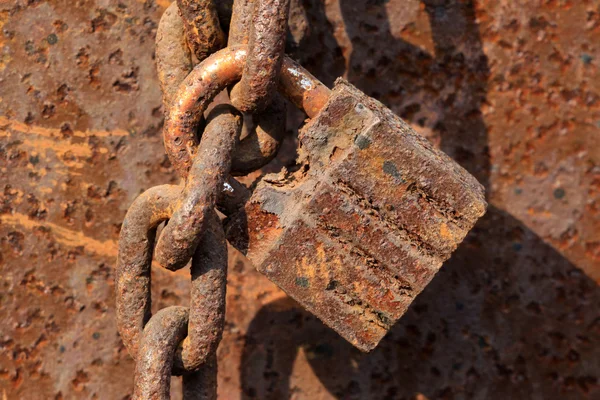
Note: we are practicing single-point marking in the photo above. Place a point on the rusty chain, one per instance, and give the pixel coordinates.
(211, 165)
(180, 340)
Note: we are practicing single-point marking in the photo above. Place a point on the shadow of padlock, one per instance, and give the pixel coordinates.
(363, 226)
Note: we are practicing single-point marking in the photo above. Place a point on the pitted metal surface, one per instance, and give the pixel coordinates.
(507, 88)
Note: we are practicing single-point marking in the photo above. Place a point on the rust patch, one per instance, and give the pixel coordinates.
(64, 236)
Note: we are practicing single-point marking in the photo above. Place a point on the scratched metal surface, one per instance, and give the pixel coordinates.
(510, 89)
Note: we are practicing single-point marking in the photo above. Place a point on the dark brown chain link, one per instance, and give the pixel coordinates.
(211, 166)
(173, 56)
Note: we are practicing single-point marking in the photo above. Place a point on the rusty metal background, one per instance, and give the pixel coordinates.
(510, 89)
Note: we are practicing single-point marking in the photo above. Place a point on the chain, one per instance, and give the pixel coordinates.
(212, 163)
(180, 340)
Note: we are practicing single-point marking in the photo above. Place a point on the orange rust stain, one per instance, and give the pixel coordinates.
(40, 139)
(58, 147)
(540, 213)
(163, 3)
(7, 124)
(263, 229)
(445, 232)
(3, 18)
(5, 59)
(70, 238)
(65, 236)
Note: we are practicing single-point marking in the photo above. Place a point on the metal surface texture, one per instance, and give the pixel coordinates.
(214, 74)
(266, 45)
(241, 17)
(508, 88)
(367, 221)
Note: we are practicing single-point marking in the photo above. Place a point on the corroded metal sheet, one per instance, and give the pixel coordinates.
(360, 230)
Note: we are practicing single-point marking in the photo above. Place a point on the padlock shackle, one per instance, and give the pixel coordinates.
(210, 77)
(301, 88)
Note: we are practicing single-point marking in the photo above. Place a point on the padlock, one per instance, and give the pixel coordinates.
(363, 226)
(359, 230)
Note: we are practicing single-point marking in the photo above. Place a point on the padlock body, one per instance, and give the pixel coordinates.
(358, 232)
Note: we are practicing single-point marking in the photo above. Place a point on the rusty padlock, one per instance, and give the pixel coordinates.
(366, 222)
(362, 227)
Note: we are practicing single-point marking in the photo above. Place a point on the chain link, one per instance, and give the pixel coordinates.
(266, 46)
(173, 56)
(212, 163)
(217, 72)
